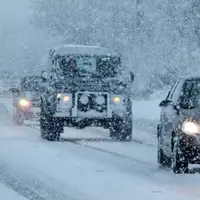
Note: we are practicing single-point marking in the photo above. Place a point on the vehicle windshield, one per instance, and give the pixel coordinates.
(95, 66)
(191, 94)
(31, 84)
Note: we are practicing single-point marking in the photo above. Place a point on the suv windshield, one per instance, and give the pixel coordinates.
(97, 66)
(191, 94)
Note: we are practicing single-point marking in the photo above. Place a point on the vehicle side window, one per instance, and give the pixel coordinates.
(186, 90)
(177, 91)
(174, 89)
(169, 96)
(169, 93)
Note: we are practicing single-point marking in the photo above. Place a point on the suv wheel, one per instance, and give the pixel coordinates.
(179, 160)
(121, 130)
(50, 128)
(162, 159)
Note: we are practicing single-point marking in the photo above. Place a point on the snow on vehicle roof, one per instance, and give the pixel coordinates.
(81, 49)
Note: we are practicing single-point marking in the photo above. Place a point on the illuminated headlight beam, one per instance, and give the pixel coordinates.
(24, 103)
(190, 128)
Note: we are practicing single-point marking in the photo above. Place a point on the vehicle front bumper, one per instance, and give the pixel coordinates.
(97, 121)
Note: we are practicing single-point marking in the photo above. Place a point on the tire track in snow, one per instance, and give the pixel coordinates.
(151, 172)
(18, 186)
(138, 141)
(105, 138)
(76, 142)
(29, 187)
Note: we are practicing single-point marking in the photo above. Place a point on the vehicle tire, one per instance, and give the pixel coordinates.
(105, 124)
(50, 128)
(179, 160)
(162, 159)
(121, 129)
(18, 117)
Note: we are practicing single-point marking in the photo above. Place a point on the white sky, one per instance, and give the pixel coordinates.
(14, 10)
(21, 43)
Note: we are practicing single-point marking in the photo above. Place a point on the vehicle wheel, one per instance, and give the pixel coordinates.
(121, 130)
(179, 160)
(162, 159)
(17, 117)
(50, 128)
(105, 124)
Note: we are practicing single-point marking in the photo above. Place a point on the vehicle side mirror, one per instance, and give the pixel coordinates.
(44, 75)
(132, 77)
(165, 103)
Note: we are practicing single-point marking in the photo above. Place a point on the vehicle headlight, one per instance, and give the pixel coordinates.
(24, 103)
(64, 100)
(118, 103)
(190, 128)
(100, 100)
(84, 99)
(116, 99)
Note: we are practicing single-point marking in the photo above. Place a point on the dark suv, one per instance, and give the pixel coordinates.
(179, 128)
(85, 87)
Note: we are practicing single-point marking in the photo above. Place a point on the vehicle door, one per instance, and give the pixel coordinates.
(168, 114)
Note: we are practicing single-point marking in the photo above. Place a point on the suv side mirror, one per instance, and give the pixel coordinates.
(132, 77)
(44, 75)
(165, 103)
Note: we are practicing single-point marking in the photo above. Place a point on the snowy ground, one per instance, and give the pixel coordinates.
(8, 194)
(86, 164)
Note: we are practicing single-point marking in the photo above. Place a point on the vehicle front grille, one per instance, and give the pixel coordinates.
(93, 104)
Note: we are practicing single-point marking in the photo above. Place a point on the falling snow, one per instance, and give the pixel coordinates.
(99, 99)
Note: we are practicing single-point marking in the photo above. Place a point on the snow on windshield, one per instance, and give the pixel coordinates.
(100, 66)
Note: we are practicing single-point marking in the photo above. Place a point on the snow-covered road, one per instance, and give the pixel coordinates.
(82, 168)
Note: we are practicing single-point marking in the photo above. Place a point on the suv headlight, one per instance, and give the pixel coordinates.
(67, 98)
(117, 102)
(64, 100)
(117, 99)
(190, 128)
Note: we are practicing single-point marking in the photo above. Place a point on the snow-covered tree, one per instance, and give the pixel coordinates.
(157, 38)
